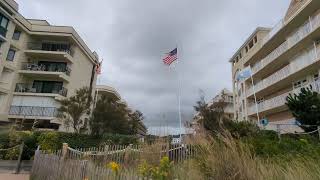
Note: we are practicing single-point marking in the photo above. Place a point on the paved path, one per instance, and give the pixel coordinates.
(14, 176)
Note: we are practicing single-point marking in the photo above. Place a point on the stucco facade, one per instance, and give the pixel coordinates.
(285, 59)
(39, 64)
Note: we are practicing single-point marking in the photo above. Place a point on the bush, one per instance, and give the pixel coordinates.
(49, 141)
(54, 140)
(267, 144)
(241, 129)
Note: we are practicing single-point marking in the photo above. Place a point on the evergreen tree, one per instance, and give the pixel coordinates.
(305, 107)
(109, 116)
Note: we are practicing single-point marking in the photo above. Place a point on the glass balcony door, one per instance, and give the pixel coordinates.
(53, 66)
(46, 46)
(47, 86)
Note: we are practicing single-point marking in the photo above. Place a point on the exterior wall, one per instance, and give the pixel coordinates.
(82, 66)
(288, 54)
(237, 65)
(34, 101)
(281, 116)
(81, 72)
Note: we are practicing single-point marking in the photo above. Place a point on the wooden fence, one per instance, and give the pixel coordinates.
(90, 163)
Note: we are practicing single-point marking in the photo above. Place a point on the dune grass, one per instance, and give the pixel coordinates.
(229, 158)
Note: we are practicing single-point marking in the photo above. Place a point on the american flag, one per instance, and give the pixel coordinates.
(98, 67)
(172, 56)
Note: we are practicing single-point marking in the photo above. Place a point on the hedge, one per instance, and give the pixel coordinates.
(54, 140)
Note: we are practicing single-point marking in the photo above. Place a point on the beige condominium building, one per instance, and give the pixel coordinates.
(222, 100)
(282, 59)
(39, 64)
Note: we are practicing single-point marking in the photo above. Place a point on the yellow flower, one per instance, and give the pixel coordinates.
(113, 166)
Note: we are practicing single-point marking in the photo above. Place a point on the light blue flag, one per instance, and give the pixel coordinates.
(244, 74)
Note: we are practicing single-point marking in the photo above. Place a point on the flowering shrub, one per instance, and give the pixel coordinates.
(115, 167)
(161, 172)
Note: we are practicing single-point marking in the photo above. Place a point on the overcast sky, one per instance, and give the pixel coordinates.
(132, 37)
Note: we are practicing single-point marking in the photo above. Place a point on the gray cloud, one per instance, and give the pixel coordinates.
(132, 36)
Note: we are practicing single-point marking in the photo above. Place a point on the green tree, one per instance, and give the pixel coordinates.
(109, 116)
(136, 121)
(305, 107)
(211, 117)
(74, 110)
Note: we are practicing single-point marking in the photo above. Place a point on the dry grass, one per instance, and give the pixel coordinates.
(228, 158)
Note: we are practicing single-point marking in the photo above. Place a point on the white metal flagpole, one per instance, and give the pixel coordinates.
(179, 96)
(254, 95)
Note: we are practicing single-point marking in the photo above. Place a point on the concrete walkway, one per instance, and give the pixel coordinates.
(6, 176)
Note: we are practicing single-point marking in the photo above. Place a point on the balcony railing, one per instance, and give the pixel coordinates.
(48, 68)
(299, 62)
(269, 58)
(29, 88)
(309, 26)
(50, 47)
(280, 100)
(274, 30)
(33, 111)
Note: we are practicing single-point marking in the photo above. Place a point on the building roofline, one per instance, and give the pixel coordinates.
(109, 89)
(248, 40)
(69, 30)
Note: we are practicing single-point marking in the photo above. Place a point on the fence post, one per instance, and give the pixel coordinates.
(20, 158)
(279, 132)
(64, 150)
(127, 152)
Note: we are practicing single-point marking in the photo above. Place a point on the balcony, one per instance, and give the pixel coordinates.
(279, 101)
(274, 31)
(33, 111)
(303, 31)
(56, 51)
(46, 71)
(31, 88)
(298, 63)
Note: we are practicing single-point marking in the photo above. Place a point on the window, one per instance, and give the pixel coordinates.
(300, 83)
(255, 39)
(259, 101)
(3, 25)
(250, 44)
(47, 86)
(247, 49)
(11, 54)
(16, 35)
(240, 55)
(4, 22)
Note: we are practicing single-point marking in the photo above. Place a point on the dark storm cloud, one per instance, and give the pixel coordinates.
(132, 36)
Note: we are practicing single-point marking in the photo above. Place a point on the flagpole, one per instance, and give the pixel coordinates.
(254, 95)
(179, 96)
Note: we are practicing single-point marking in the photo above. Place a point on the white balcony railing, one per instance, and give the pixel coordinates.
(299, 62)
(274, 30)
(280, 100)
(269, 58)
(309, 26)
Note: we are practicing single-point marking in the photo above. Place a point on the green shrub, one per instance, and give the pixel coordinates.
(49, 141)
(241, 129)
(267, 144)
